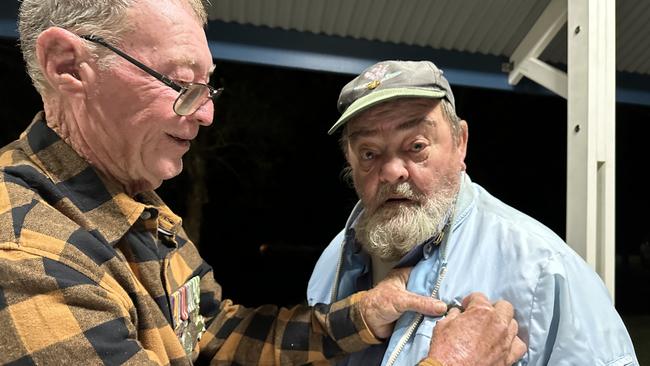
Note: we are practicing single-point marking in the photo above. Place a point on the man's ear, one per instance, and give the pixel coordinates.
(463, 135)
(63, 59)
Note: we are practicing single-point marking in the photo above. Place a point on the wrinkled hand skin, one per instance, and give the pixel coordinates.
(388, 300)
(483, 335)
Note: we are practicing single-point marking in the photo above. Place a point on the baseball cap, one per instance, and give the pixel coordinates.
(388, 80)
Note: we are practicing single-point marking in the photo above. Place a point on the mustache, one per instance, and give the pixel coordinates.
(400, 190)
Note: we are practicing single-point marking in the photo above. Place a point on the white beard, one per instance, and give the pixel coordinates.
(392, 229)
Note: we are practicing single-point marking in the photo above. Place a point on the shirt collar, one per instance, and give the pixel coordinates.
(103, 204)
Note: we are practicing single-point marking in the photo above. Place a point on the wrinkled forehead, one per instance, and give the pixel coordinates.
(155, 21)
(168, 30)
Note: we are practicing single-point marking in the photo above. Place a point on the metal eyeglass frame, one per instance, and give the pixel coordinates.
(180, 88)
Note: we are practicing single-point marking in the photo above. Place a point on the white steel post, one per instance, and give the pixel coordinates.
(590, 221)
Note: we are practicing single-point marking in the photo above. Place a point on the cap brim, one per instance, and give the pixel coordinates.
(381, 96)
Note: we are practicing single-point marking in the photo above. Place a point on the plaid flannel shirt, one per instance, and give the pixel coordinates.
(87, 273)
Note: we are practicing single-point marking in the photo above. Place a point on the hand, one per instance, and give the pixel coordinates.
(482, 335)
(388, 300)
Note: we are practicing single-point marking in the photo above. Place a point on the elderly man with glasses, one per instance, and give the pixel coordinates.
(96, 269)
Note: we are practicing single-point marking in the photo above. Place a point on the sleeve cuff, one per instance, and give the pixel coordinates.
(364, 331)
(430, 362)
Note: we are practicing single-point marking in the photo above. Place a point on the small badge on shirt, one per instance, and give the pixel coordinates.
(187, 321)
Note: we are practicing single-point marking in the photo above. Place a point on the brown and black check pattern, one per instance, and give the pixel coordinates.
(86, 272)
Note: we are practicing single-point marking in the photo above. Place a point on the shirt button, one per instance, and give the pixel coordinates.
(145, 215)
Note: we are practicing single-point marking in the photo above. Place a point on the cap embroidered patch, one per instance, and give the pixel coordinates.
(377, 75)
(373, 84)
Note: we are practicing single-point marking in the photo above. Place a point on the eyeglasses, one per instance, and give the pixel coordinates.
(191, 95)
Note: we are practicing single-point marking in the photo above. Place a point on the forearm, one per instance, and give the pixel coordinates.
(269, 335)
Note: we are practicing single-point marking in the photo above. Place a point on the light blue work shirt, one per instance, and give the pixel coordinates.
(565, 314)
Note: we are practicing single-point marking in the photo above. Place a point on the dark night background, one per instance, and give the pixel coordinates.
(274, 174)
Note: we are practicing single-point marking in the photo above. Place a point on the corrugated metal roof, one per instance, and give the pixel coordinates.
(491, 27)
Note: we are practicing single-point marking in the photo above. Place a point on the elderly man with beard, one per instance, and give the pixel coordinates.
(405, 147)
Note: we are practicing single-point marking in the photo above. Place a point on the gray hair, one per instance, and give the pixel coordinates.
(449, 112)
(104, 18)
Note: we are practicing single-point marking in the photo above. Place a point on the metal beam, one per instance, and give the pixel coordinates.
(8, 28)
(303, 50)
(548, 76)
(462, 74)
(531, 47)
(591, 134)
